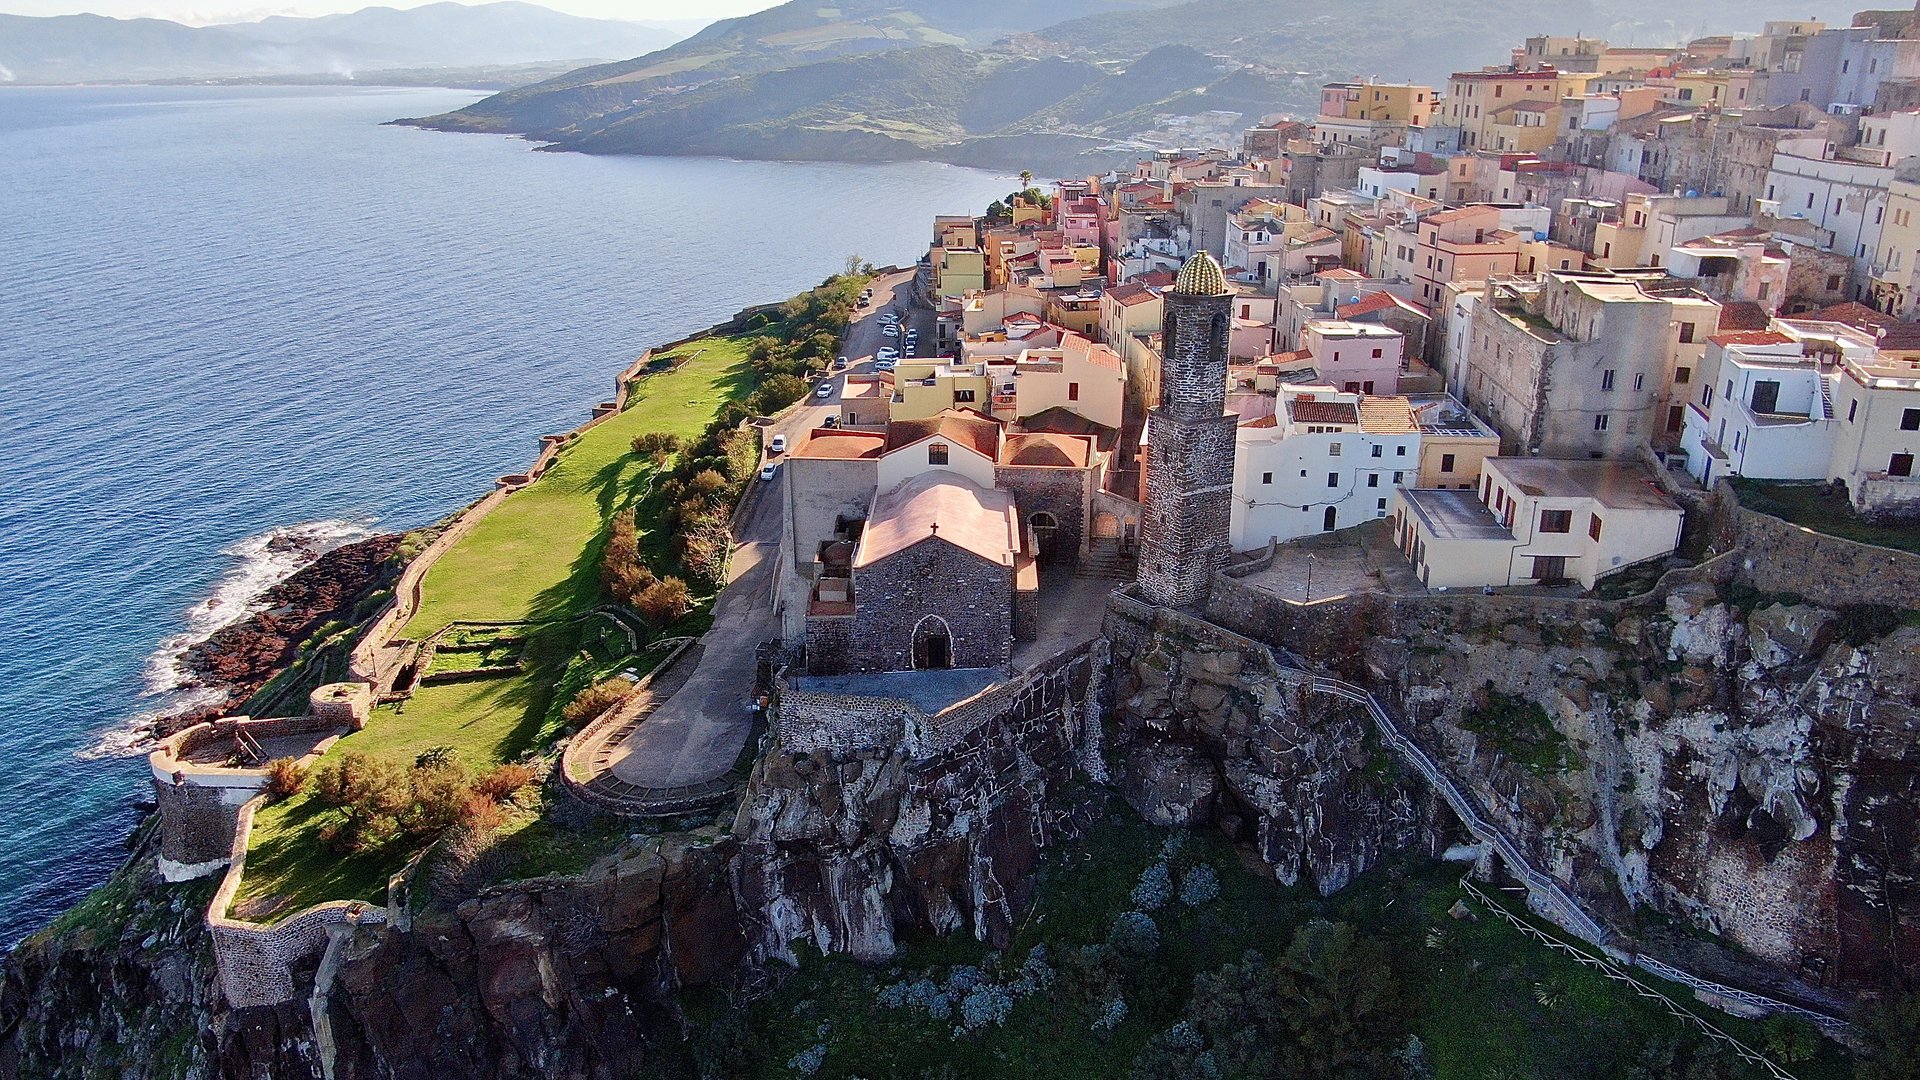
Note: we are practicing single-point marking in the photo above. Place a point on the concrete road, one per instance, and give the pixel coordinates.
(697, 734)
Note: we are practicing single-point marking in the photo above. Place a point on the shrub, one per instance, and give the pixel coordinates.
(434, 757)
(595, 700)
(1154, 889)
(664, 601)
(1111, 1016)
(503, 781)
(285, 777)
(481, 814)
(656, 442)
(808, 1061)
(1199, 886)
(1134, 933)
(985, 1005)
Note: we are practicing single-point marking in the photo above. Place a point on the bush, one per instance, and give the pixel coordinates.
(1111, 1015)
(1154, 889)
(595, 700)
(1134, 933)
(656, 442)
(480, 814)
(503, 781)
(664, 601)
(983, 1006)
(381, 801)
(285, 777)
(1199, 886)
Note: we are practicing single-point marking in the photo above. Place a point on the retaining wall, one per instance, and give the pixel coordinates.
(198, 805)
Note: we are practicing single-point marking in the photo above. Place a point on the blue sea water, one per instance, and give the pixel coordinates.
(233, 314)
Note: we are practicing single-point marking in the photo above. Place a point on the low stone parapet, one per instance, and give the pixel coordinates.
(198, 800)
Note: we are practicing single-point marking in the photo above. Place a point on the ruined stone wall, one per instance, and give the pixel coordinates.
(1887, 502)
(1778, 556)
(829, 643)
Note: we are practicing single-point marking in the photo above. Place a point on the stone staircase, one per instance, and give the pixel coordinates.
(1110, 563)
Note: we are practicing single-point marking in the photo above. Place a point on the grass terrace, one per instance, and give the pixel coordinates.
(1824, 509)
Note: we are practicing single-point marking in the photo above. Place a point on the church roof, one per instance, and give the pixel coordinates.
(945, 505)
(963, 426)
(1202, 276)
(1047, 449)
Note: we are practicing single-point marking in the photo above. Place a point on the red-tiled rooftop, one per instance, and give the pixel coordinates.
(1132, 293)
(1751, 337)
(1322, 412)
(962, 426)
(1379, 301)
(842, 444)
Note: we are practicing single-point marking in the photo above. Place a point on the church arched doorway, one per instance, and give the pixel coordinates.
(1046, 535)
(932, 645)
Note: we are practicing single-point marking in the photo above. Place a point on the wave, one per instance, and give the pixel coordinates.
(258, 564)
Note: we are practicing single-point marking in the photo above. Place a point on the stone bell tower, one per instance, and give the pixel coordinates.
(1190, 461)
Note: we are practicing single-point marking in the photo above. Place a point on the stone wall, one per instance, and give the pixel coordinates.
(972, 596)
(829, 643)
(1061, 492)
(1190, 461)
(1778, 556)
(1887, 502)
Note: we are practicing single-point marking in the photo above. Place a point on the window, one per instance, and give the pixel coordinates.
(1639, 380)
(1606, 379)
(1593, 527)
(1376, 354)
(963, 397)
(1549, 567)
(1852, 408)
(1333, 479)
(1910, 420)
(1729, 390)
(1400, 451)
(1266, 478)
(1396, 477)
(1900, 465)
(1073, 391)
(937, 453)
(1333, 449)
(1556, 521)
(1600, 422)
(1380, 505)
(1686, 332)
(1706, 396)
(1378, 450)
(1682, 375)
(1373, 479)
(1446, 463)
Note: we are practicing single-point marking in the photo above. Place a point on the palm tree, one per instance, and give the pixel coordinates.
(1026, 179)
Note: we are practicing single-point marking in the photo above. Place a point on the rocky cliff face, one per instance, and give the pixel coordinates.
(1204, 733)
(1748, 768)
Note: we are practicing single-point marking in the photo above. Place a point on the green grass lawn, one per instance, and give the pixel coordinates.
(1823, 509)
(288, 868)
(535, 555)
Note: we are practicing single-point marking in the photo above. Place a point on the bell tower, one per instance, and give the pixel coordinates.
(1190, 456)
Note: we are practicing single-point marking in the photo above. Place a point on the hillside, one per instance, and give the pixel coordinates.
(886, 79)
(93, 48)
(1404, 41)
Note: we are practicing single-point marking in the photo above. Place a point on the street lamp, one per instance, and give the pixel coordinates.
(1308, 597)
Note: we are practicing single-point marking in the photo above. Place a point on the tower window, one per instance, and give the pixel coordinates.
(937, 453)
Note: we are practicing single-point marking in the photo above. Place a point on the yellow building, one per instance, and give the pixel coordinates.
(1475, 97)
(959, 271)
(1453, 442)
(1896, 265)
(923, 388)
(1523, 127)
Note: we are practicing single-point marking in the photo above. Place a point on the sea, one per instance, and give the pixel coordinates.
(241, 325)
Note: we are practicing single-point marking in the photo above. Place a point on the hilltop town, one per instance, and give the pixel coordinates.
(1487, 510)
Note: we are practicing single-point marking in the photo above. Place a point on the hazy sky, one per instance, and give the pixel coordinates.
(205, 11)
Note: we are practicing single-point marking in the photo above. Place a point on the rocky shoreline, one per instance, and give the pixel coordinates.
(240, 659)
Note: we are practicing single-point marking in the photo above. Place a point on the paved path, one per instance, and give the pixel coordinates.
(697, 734)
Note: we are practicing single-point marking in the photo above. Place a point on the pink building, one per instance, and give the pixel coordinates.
(1356, 358)
(1080, 221)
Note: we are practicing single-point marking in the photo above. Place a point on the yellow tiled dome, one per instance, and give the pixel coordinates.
(1202, 276)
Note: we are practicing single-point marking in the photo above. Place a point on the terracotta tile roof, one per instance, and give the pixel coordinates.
(836, 443)
(1341, 273)
(1856, 315)
(1751, 337)
(1132, 293)
(1157, 279)
(946, 506)
(1322, 412)
(1380, 301)
(1744, 315)
(1387, 415)
(969, 429)
(1047, 449)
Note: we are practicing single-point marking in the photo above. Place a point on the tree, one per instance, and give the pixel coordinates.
(1345, 1011)
(1892, 1031)
(1026, 179)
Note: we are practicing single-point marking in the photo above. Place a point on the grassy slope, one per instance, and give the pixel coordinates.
(1820, 508)
(534, 556)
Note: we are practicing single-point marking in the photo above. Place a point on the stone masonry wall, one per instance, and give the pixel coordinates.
(1887, 501)
(1061, 492)
(1190, 463)
(1778, 556)
(972, 596)
(829, 643)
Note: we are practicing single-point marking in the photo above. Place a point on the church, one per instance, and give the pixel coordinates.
(925, 542)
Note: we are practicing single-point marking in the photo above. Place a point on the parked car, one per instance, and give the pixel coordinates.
(823, 391)
(883, 365)
(839, 362)
(830, 422)
(772, 470)
(778, 445)
(888, 353)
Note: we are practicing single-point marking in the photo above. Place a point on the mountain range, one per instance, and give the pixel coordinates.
(93, 48)
(1058, 87)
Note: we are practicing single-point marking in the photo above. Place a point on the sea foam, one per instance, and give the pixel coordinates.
(258, 564)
